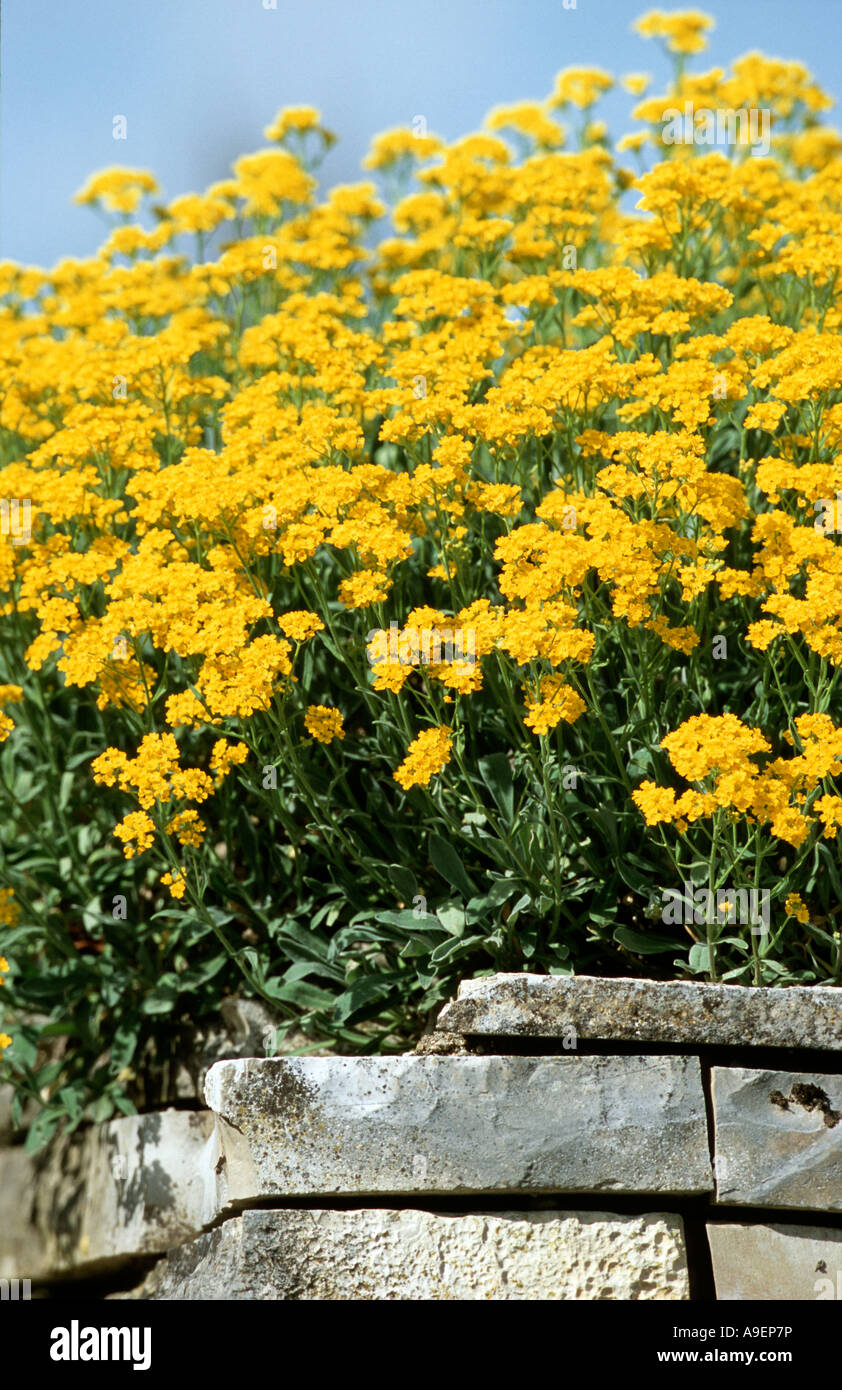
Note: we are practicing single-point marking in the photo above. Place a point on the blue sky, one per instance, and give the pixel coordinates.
(197, 80)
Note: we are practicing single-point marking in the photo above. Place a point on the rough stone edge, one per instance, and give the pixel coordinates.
(623, 1010)
(225, 1241)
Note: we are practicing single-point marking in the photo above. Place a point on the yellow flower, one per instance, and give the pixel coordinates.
(188, 827)
(118, 189)
(557, 701)
(684, 30)
(656, 803)
(580, 86)
(137, 831)
(829, 809)
(706, 743)
(176, 884)
(270, 178)
(324, 723)
(364, 588)
(796, 907)
(635, 140)
(764, 415)
(636, 82)
(681, 639)
(300, 625)
(390, 675)
(394, 145)
(5, 1041)
(527, 118)
(9, 694)
(297, 118)
(198, 213)
(427, 755)
(226, 755)
(9, 910)
(155, 774)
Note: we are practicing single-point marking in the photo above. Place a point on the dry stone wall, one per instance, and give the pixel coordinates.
(554, 1138)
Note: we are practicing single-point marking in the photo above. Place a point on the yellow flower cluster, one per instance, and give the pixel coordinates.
(118, 190)
(137, 832)
(175, 882)
(9, 914)
(224, 756)
(684, 30)
(9, 694)
(564, 422)
(9, 909)
(426, 756)
(324, 723)
(155, 774)
(300, 626)
(188, 827)
(556, 702)
(294, 119)
(717, 753)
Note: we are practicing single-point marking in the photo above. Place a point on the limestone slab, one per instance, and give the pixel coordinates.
(677, 1011)
(353, 1125)
(778, 1139)
(776, 1262)
(390, 1255)
(125, 1189)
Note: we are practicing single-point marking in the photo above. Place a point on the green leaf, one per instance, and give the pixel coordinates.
(71, 1099)
(300, 993)
(699, 959)
(102, 1109)
(452, 918)
(417, 946)
(199, 975)
(162, 998)
(406, 920)
(449, 950)
(643, 943)
(41, 1130)
(123, 1046)
(447, 863)
(65, 789)
(404, 880)
(24, 1050)
(303, 968)
(123, 1104)
(218, 917)
(362, 992)
(496, 773)
(643, 763)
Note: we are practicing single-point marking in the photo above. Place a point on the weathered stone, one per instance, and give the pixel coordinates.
(125, 1189)
(646, 1011)
(310, 1125)
(377, 1254)
(7, 1129)
(770, 1263)
(22, 1252)
(778, 1139)
(440, 1045)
